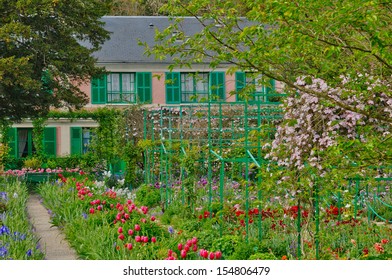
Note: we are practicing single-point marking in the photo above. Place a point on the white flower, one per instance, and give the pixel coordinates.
(121, 182)
(99, 184)
(15, 195)
(348, 206)
(107, 174)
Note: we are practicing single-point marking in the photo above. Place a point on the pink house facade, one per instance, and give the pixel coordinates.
(134, 78)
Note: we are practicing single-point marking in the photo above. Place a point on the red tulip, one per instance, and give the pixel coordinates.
(92, 211)
(138, 238)
(129, 246)
(152, 218)
(203, 253)
(211, 256)
(153, 239)
(194, 248)
(186, 247)
(169, 253)
(145, 239)
(129, 201)
(183, 254)
(194, 240)
(218, 255)
(179, 246)
(121, 236)
(130, 232)
(99, 208)
(137, 227)
(120, 230)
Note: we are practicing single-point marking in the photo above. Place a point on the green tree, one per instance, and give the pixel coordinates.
(46, 51)
(346, 44)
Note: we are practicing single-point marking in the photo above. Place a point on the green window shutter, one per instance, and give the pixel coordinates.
(98, 90)
(50, 141)
(173, 87)
(13, 142)
(144, 81)
(240, 83)
(217, 85)
(76, 140)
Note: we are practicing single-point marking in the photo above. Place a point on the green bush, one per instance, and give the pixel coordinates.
(262, 256)
(33, 163)
(148, 196)
(227, 244)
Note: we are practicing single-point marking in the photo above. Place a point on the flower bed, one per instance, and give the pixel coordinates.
(130, 229)
(17, 240)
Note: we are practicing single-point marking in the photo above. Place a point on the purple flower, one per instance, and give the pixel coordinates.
(171, 230)
(84, 216)
(3, 251)
(29, 252)
(19, 236)
(3, 196)
(4, 230)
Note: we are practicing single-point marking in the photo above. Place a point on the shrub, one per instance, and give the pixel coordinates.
(148, 196)
(33, 163)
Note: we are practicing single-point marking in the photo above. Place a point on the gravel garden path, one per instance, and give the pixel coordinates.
(52, 240)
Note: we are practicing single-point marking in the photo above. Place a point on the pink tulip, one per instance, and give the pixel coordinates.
(121, 236)
(179, 246)
(120, 230)
(129, 246)
(130, 232)
(218, 255)
(137, 227)
(183, 254)
(153, 239)
(138, 238)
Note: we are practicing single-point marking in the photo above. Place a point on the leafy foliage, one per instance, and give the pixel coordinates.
(46, 49)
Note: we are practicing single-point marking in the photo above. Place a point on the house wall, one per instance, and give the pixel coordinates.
(158, 88)
(63, 132)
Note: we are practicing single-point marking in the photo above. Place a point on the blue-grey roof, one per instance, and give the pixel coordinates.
(126, 31)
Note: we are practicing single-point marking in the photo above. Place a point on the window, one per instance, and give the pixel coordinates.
(22, 145)
(194, 87)
(25, 142)
(121, 88)
(255, 89)
(80, 139)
